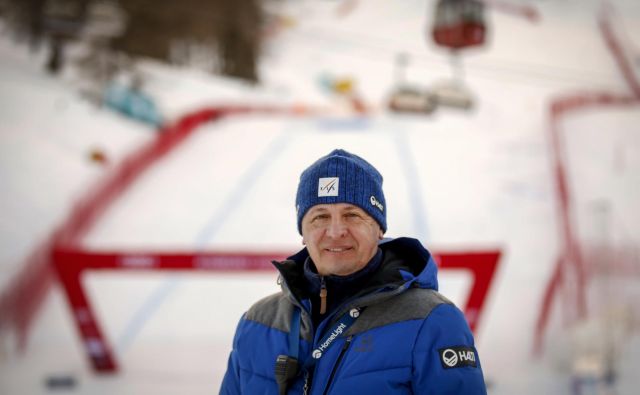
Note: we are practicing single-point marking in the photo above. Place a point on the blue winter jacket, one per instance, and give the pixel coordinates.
(407, 338)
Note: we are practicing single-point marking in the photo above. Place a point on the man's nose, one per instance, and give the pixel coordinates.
(337, 228)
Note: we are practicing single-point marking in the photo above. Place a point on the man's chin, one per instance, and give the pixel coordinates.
(341, 268)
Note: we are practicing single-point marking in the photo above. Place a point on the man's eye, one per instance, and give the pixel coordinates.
(352, 215)
(320, 217)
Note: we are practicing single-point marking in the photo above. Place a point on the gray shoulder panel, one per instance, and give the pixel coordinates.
(275, 312)
(414, 304)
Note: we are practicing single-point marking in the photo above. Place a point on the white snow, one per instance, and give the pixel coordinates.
(457, 180)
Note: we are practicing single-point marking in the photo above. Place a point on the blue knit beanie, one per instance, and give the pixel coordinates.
(342, 177)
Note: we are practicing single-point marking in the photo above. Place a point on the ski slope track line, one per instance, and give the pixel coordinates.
(570, 261)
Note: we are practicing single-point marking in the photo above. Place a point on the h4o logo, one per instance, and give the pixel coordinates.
(456, 357)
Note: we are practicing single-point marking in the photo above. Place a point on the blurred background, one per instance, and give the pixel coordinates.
(150, 152)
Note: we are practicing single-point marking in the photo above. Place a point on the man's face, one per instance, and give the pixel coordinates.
(341, 238)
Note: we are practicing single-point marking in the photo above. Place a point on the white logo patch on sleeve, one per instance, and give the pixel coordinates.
(457, 357)
(328, 186)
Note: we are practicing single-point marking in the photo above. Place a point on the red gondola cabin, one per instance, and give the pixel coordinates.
(459, 23)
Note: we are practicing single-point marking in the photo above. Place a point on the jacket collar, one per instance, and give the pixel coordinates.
(404, 262)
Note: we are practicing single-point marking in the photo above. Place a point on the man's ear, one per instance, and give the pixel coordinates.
(304, 242)
(380, 234)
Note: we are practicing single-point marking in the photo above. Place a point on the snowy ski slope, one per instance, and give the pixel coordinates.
(454, 179)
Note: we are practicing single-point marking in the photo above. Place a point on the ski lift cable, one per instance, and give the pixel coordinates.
(527, 73)
(506, 71)
(362, 40)
(523, 10)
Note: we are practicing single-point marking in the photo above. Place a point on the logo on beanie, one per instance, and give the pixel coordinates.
(328, 186)
(375, 202)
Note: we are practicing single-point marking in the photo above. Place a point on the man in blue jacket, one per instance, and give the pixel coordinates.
(357, 314)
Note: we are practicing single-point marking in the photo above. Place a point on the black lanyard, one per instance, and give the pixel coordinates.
(287, 366)
(338, 328)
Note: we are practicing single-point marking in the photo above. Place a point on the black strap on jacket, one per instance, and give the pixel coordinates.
(288, 366)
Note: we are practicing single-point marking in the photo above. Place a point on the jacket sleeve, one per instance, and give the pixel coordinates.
(445, 360)
(231, 382)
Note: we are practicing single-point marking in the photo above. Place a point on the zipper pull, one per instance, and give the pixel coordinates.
(323, 296)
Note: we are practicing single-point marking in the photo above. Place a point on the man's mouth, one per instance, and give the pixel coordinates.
(338, 249)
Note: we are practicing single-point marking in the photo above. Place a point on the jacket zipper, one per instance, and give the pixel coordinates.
(345, 347)
(323, 296)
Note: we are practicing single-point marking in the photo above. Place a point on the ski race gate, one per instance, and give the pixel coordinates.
(71, 260)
